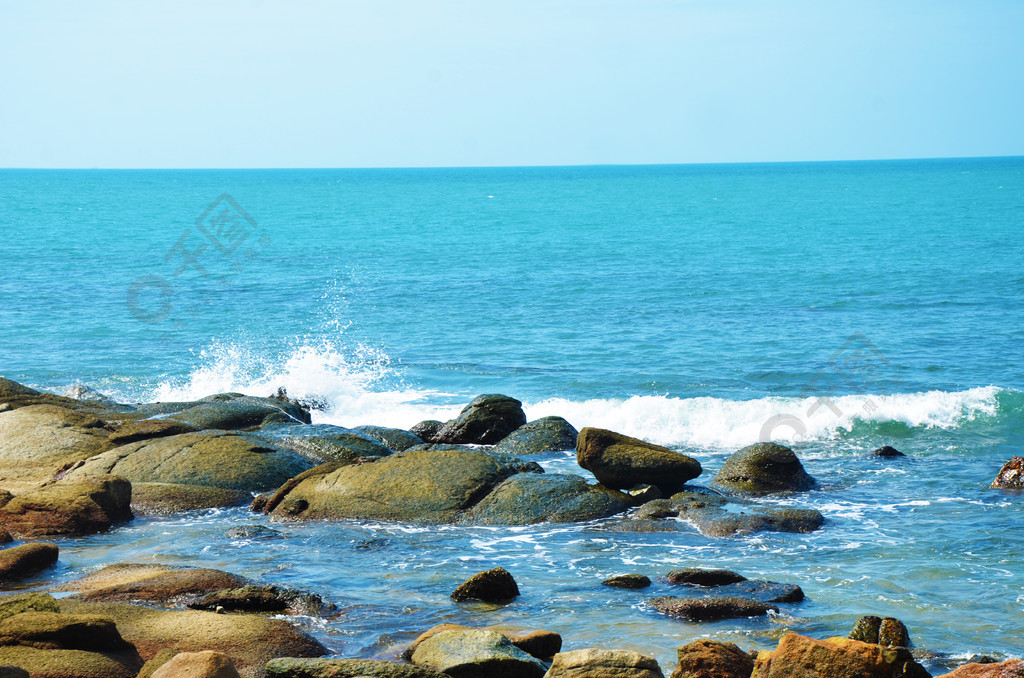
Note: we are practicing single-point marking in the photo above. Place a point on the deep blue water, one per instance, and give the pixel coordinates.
(686, 304)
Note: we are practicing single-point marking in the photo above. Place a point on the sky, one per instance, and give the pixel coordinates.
(396, 83)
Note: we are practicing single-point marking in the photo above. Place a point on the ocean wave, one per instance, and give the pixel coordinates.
(361, 386)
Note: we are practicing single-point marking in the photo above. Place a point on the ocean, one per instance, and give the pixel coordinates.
(835, 307)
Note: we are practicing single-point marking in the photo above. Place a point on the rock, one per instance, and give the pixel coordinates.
(712, 659)
(1011, 668)
(628, 581)
(82, 505)
(694, 576)
(56, 631)
(641, 493)
(150, 499)
(83, 392)
(38, 441)
(762, 591)
(396, 439)
(540, 644)
(249, 640)
(548, 434)
(591, 663)
(710, 608)
(205, 664)
(324, 442)
(716, 516)
(427, 430)
(145, 429)
(253, 598)
(153, 584)
(208, 458)
(345, 668)
(529, 498)
(493, 586)
(19, 562)
(888, 632)
(476, 653)
(27, 602)
(432, 631)
(763, 468)
(226, 411)
(484, 421)
(887, 452)
(620, 462)
(252, 532)
(801, 657)
(1010, 476)
(8, 671)
(866, 629)
(421, 487)
(70, 663)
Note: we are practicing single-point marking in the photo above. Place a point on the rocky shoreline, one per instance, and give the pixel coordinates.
(80, 465)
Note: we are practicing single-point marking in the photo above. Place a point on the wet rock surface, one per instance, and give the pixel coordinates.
(763, 468)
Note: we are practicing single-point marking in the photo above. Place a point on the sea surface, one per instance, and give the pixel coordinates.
(835, 307)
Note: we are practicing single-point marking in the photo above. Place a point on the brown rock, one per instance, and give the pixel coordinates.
(711, 608)
(23, 561)
(346, 668)
(712, 659)
(205, 664)
(621, 462)
(1010, 476)
(37, 441)
(160, 584)
(145, 429)
(591, 663)
(85, 505)
(1011, 668)
(628, 581)
(801, 657)
(492, 586)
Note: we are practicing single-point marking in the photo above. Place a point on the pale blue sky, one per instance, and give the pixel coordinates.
(311, 83)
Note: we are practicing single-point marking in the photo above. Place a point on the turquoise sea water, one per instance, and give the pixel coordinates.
(835, 306)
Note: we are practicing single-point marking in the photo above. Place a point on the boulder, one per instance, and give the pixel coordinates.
(27, 602)
(710, 608)
(1010, 476)
(422, 487)
(249, 640)
(695, 576)
(801, 657)
(886, 452)
(493, 586)
(227, 411)
(484, 421)
(205, 664)
(540, 644)
(19, 562)
(548, 434)
(149, 499)
(712, 659)
(38, 441)
(152, 584)
(324, 442)
(1011, 668)
(763, 468)
(396, 439)
(74, 506)
(144, 429)
(268, 598)
(208, 458)
(56, 631)
(592, 663)
(628, 581)
(476, 653)
(427, 430)
(346, 668)
(528, 498)
(621, 462)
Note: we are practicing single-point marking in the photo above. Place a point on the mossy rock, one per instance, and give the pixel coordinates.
(346, 668)
(77, 505)
(628, 581)
(712, 659)
(710, 608)
(19, 562)
(763, 468)
(621, 462)
(484, 421)
(476, 652)
(72, 663)
(150, 499)
(263, 598)
(27, 602)
(493, 586)
(152, 584)
(38, 441)
(529, 498)
(145, 429)
(324, 442)
(548, 434)
(599, 663)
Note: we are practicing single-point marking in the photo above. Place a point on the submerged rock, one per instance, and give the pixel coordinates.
(763, 468)
(710, 608)
(19, 562)
(548, 434)
(887, 452)
(628, 581)
(799, 657)
(717, 516)
(493, 586)
(476, 653)
(695, 576)
(484, 421)
(529, 498)
(712, 659)
(593, 663)
(621, 462)
(1010, 476)
(762, 591)
(78, 505)
(266, 598)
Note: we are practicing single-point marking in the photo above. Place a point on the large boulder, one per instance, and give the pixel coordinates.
(1010, 476)
(19, 562)
(548, 434)
(712, 659)
(249, 640)
(1011, 668)
(422, 486)
(150, 584)
(484, 421)
(205, 664)
(802, 657)
(621, 462)
(529, 498)
(763, 468)
(396, 439)
(346, 668)
(718, 516)
(710, 608)
(38, 441)
(229, 411)
(74, 506)
(207, 458)
(476, 653)
(493, 586)
(592, 663)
